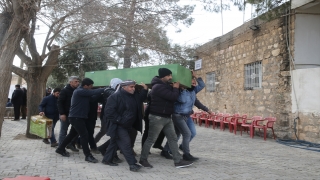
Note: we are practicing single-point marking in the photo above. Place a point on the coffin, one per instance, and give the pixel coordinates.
(140, 74)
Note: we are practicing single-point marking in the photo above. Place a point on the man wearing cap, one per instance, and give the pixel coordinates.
(163, 97)
(16, 100)
(123, 112)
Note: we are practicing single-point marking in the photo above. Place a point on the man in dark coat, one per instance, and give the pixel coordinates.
(16, 100)
(79, 111)
(123, 112)
(64, 102)
(49, 108)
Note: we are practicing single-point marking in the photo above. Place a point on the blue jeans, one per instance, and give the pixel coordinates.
(192, 127)
(180, 123)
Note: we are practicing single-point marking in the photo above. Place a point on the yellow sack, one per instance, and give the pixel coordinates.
(41, 126)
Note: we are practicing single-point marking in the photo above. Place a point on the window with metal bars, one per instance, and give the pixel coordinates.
(211, 82)
(253, 75)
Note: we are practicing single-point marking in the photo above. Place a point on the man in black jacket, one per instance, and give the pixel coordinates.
(79, 111)
(64, 102)
(16, 100)
(124, 112)
(163, 97)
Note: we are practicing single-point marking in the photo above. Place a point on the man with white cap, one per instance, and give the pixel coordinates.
(123, 112)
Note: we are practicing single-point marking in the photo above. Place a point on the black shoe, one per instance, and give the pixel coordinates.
(158, 147)
(116, 159)
(72, 148)
(109, 163)
(135, 167)
(189, 157)
(54, 144)
(63, 152)
(95, 151)
(183, 163)
(145, 163)
(91, 159)
(46, 141)
(180, 147)
(166, 154)
(15, 120)
(23, 118)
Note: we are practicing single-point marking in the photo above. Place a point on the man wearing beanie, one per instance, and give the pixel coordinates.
(163, 96)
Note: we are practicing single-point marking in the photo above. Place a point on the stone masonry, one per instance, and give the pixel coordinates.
(227, 56)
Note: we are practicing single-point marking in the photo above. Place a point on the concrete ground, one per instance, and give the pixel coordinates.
(223, 155)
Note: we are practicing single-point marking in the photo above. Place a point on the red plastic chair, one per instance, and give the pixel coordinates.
(237, 122)
(230, 121)
(218, 119)
(248, 124)
(203, 117)
(225, 121)
(195, 116)
(265, 124)
(210, 119)
(27, 178)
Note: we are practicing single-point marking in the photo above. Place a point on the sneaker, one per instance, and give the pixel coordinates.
(54, 144)
(63, 152)
(91, 159)
(116, 159)
(166, 154)
(46, 141)
(183, 164)
(95, 151)
(145, 163)
(189, 157)
(109, 163)
(72, 148)
(135, 167)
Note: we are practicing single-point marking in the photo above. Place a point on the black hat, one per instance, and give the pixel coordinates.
(164, 72)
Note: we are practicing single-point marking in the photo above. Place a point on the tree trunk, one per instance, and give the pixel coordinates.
(9, 44)
(5, 21)
(127, 53)
(36, 91)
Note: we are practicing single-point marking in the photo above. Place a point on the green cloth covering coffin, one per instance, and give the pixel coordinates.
(140, 74)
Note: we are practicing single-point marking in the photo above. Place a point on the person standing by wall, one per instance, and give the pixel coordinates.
(49, 108)
(17, 99)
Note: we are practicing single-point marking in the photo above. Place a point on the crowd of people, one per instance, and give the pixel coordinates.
(167, 114)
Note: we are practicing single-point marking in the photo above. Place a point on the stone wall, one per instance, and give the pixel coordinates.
(227, 55)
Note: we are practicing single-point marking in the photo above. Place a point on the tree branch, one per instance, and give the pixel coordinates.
(23, 57)
(20, 72)
(51, 62)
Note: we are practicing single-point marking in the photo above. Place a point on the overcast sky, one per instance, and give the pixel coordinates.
(208, 26)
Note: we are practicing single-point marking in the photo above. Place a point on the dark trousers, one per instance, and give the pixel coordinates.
(123, 141)
(23, 111)
(78, 127)
(16, 108)
(91, 124)
(160, 138)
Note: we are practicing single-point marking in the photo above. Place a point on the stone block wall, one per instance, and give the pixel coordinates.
(227, 55)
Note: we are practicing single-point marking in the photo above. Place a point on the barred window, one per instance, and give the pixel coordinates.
(211, 82)
(253, 75)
